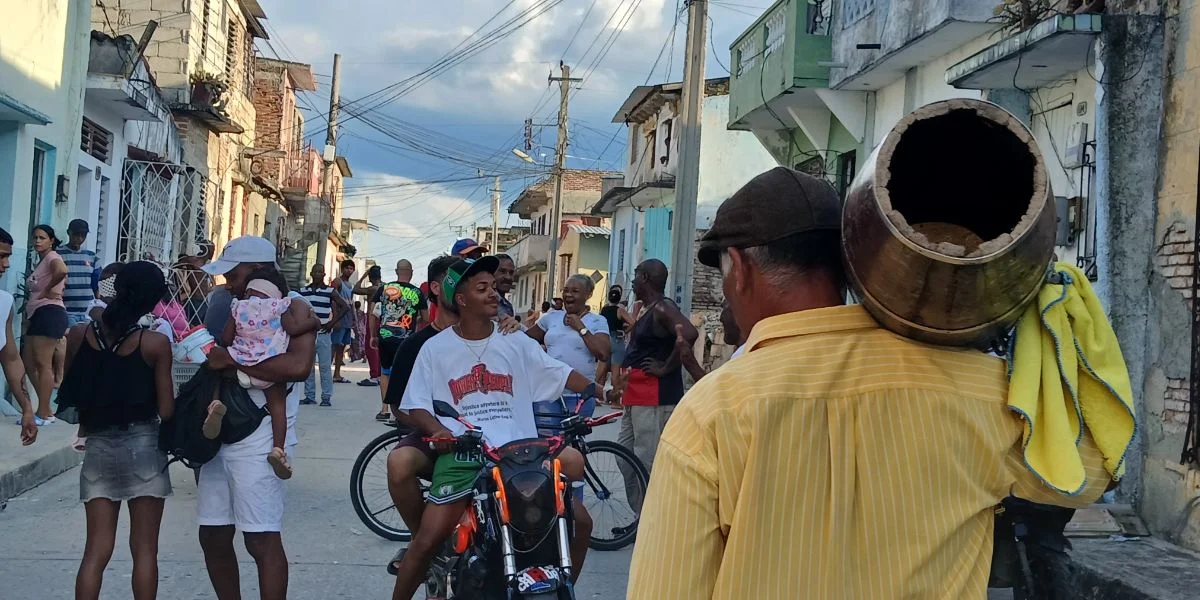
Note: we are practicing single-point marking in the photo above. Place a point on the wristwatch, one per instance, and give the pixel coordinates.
(584, 331)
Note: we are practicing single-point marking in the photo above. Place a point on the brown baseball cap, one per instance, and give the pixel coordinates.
(772, 206)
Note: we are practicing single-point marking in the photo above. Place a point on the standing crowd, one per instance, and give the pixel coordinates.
(776, 475)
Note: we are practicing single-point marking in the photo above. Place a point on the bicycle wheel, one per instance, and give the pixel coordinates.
(614, 485)
(369, 489)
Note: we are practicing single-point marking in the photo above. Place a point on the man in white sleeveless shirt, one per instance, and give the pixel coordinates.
(10, 358)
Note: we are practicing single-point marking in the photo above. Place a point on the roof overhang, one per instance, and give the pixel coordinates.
(253, 11)
(932, 44)
(209, 117)
(642, 196)
(1050, 51)
(645, 100)
(12, 109)
(118, 94)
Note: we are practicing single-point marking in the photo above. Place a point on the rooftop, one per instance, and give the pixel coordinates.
(581, 189)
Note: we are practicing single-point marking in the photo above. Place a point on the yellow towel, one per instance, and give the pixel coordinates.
(1066, 368)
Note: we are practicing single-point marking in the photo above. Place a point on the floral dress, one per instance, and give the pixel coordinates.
(260, 333)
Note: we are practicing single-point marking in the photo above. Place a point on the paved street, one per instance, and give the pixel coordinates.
(332, 554)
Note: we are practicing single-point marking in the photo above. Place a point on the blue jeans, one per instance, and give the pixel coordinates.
(75, 318)
(325, 365)
(549, 415)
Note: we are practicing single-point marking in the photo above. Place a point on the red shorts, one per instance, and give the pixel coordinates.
(646, 390)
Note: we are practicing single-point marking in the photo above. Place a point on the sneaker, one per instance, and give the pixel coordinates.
(326, 403)
(383, 416)
(308, 402)
(368, 382)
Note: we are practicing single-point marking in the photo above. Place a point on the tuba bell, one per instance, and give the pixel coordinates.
(949, 228)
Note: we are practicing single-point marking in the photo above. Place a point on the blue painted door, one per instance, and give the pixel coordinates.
(656, 243)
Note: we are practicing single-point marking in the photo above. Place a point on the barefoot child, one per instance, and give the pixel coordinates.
(262, 325)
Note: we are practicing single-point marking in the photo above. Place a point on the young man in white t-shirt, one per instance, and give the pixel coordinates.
(10, 358)
(493, 380)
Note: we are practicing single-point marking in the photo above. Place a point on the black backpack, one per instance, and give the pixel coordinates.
(181, 435)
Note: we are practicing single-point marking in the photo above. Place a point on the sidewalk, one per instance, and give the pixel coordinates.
(26, 467)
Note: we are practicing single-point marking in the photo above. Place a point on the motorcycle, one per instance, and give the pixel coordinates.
(514, 540)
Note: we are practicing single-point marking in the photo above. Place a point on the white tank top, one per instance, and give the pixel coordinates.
(6, 304)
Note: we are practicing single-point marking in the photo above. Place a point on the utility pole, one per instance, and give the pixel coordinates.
(560, 159)
(683, 232)
(329, 156)
(367, 231)
(496, 217)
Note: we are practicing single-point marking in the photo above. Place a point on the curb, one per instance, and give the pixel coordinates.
(37, 472)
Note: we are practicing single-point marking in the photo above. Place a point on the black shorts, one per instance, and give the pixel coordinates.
(387, 353)
(417, 440)
(47, 321)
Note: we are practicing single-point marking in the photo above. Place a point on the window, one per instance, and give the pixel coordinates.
(814, 166)
(37, 185)
(847, 169)
(651, 150)
(621, 251)
(232, 43)
(239, 58)
(667, 126)
(633, 150)
(96, 141)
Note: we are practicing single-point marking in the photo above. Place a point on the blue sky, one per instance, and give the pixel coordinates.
(475, 111)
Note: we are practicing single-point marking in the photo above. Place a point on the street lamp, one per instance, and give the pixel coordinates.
(523, 156)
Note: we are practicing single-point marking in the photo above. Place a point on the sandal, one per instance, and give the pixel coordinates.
(341, 380)
(279, 463)
(393, 567)
(212, 423)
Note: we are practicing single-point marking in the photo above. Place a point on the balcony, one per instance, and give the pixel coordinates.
(1050, 51)
(301, 173)
(878, 41)
(777, 64)
(530, 253)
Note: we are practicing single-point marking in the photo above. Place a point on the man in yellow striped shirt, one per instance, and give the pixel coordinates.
(834, 459)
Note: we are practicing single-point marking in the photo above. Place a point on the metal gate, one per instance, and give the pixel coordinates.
(163, 218)
(162, 211)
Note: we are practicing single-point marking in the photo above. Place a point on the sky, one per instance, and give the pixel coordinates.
(465, 120)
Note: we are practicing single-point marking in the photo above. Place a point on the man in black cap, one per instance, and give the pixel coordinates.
(789, 463)
(82, 267)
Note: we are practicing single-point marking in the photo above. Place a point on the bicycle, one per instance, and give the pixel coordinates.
(614, 485)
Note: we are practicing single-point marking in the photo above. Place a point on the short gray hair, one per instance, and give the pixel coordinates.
(586, 281)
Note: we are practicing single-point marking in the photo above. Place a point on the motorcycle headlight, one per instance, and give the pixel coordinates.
(530, 500)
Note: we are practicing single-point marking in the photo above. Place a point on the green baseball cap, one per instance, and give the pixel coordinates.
(463, 269)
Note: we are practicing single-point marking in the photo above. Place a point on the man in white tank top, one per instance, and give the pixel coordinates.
(10, 358)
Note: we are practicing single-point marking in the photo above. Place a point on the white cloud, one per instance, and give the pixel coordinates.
(413, 219)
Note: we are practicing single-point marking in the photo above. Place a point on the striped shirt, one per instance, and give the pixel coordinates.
(836, 460)
(319, 298)
(81, 267)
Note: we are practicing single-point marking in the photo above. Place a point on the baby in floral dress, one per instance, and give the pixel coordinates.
(261, 328)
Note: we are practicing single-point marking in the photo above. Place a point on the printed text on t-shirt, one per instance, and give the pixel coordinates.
(481, 381)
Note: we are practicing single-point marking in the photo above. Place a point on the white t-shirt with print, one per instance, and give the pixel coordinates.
(565, 344)
(495, 393)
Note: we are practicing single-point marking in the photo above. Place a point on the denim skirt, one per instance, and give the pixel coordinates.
(123, 464)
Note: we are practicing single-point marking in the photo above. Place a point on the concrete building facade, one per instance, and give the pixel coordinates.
(43, 66)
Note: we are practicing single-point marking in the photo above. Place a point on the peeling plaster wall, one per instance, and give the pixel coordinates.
(1149, 317)
(1168, 487)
